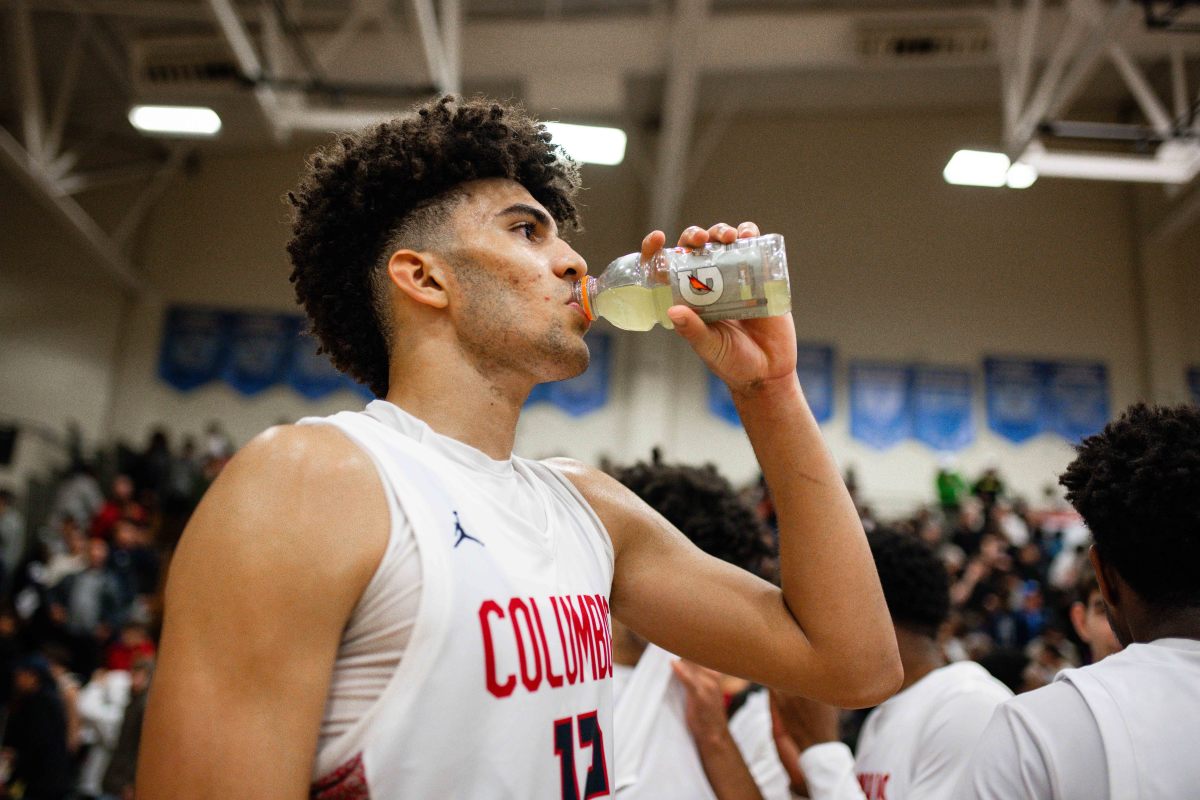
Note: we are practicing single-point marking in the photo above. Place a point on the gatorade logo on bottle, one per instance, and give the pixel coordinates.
(701, 286)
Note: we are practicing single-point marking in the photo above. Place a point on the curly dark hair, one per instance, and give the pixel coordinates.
(704, 506)
(1137, 486)
(914, 580)
(359, 191)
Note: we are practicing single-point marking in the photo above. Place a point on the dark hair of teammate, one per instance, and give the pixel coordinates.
(701, 503)
(389, 187)
(1137, 486)
(914, 581)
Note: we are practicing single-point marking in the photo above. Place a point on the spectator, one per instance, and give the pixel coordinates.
(68, 689)
(951, 489)
(89, 607)
(102, 708)
(154, 464)
(916, 744)
(70, 562)
(133, 643)
(78, 497)
(36, 734)
(120, 506)
(989, 489)
(122, 768)
(135, 564)
(12, 540)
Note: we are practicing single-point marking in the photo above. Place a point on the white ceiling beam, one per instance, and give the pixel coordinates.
(1026, 51)
(66, 89)
(452, 25)
(136, 214)
(335, 45)
(1151, 106)
(432, 44)
(1172, 165)
(678, 115)
(29, 88)
(244, 52)
(1179, 90)
(108, 256)
(98, 179)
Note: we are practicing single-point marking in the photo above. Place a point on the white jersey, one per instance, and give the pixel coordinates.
(1124, 728)
(504, 689)
(914, 745)
(666, 764)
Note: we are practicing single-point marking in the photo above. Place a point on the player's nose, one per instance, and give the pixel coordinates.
(570, 265)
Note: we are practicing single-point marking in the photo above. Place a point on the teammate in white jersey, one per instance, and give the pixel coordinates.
(680, 742)
(1125, 727)
(426, 252)
(915, 745)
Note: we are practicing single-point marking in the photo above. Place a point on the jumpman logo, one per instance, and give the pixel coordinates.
(461, 533)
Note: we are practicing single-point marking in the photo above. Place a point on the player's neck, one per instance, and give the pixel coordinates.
(446, 392)
(1147, 624)
(919, 655)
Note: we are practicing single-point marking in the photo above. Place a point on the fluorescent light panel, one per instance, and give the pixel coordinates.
(589, 144)
(984, 168)
(175, 120)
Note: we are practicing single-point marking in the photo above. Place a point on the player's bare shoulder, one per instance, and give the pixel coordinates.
(297, 497)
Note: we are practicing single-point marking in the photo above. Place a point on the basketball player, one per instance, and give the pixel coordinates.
(1125, 727)
(390, 603)
(917, 743)
(676, 740)
(1090, 619)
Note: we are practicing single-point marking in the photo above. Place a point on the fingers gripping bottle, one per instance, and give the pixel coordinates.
(747, 278)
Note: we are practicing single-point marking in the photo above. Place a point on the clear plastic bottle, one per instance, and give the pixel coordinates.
(744, 279)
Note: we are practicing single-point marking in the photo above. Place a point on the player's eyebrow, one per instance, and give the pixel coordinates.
(525, 210)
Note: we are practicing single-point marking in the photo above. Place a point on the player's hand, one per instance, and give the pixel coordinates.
(806, 721)
(747, 354)
(705, 712)
(789, 754)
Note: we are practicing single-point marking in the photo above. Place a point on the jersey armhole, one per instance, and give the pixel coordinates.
(605, 537)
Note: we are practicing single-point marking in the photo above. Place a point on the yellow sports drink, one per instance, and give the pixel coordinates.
(747, 278)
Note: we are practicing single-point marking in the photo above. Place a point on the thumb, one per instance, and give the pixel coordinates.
(689, 325)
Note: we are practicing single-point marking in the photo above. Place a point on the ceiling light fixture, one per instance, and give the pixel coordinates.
(589, 144)
(985, 168)
(190, 121)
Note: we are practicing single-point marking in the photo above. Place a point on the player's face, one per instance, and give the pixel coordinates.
(1092, 625)
(511, 280)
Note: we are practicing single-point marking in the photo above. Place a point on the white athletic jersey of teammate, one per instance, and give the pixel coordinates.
(1124, 728)
(505, 686)
(915, 745)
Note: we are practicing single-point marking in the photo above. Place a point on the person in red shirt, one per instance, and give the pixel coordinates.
(133, 644)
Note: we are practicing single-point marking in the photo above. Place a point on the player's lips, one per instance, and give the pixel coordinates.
(579, 309)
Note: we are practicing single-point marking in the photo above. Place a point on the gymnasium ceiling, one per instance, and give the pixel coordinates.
(278, 71)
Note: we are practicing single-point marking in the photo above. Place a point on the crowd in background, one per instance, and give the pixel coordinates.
(81, 595)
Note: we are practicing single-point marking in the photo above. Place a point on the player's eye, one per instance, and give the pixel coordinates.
(527, 229)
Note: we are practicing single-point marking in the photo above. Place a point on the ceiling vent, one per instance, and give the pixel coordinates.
(921, 44)
(182, 64)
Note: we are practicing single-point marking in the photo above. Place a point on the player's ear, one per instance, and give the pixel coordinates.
(420, 276)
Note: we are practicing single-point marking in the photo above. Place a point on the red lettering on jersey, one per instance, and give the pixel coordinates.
(600, 667)
(489, 653)
(582, 628)
(555, 681)
(570, 654)
(874, 784)
(531, 683)
(607, 617)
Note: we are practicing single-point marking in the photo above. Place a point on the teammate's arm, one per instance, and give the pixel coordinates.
(264, 579)
(827, 633)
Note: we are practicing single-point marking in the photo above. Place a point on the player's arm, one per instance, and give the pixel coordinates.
(726, 770)
(827, 633)
(262, 584)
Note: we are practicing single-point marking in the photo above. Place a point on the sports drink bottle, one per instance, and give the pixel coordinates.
(744, 279)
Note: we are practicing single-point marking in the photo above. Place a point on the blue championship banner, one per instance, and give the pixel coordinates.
(942, 407)
(880, 407)
(1016, 397)
(1077, 398)
(588, 392)
(260, 347)
(720, 401)
(311, 374)
(194, 346)
(814, 367)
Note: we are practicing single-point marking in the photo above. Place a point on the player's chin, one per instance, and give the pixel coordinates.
(570, 358)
